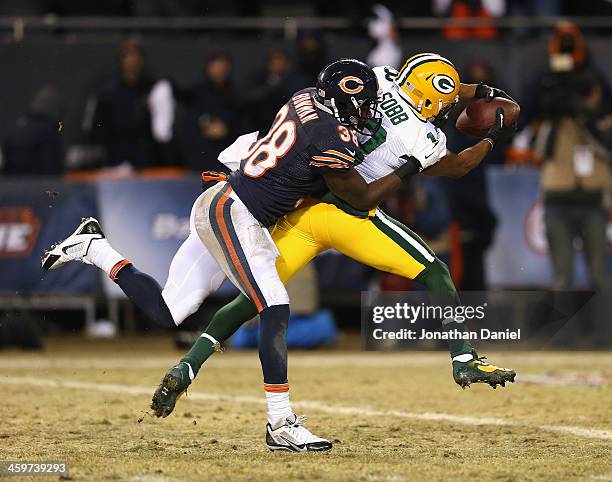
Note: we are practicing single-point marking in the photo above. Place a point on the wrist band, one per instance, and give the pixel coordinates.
(490, 141)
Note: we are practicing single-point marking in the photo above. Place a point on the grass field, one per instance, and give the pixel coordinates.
(392, 417)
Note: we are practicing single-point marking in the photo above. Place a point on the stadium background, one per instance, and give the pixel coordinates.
(66, 67)
(78, 363)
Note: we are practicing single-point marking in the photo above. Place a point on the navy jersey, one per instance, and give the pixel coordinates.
(288, 163)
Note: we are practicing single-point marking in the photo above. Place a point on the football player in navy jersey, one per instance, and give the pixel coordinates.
(310, 149)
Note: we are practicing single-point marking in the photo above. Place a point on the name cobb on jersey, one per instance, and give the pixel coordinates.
(404, 132)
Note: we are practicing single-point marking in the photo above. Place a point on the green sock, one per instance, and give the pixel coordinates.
(224, 324)
(457, 347)
(443, 293)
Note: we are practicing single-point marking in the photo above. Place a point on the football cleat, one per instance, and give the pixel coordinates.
(172, 387)
(479, 371)
(74, 247)
(291, 435)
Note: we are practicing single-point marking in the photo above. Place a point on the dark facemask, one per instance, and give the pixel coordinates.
(442, 117)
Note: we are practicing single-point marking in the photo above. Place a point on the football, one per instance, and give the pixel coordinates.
(479, 115)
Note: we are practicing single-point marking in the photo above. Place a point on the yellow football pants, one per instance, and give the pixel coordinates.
(378, 241)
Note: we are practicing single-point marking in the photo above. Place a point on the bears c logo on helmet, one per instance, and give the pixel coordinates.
(443, 83)
(351, 84)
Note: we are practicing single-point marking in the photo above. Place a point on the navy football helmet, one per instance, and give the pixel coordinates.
(349, 90)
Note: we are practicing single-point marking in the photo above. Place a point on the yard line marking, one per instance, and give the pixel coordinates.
(235, 360)
(313, 405)
(298, 360)
(569, 379)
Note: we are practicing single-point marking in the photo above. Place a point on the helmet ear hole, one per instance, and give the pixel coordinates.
(428, 103)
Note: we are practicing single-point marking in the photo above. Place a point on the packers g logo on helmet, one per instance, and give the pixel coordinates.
(443, 84)
(430, 83)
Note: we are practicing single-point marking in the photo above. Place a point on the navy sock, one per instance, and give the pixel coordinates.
(146, 293)
(273, 323)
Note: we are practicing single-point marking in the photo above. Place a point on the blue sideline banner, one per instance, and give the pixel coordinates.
(33, 215)
(146, 220)
(519, 254)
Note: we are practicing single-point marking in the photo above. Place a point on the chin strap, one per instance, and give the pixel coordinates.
(336, 114)
(333, 110)
(323, 107)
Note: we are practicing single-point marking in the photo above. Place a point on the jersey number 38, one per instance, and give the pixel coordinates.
(266, 152)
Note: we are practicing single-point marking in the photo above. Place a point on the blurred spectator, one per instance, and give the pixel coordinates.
(162, 106)
(272, 88)
(213, 116)
(574, 138)
(464, 9)
(423, 206)
(473, 219)
(534, 8)
(33, 146)
(383, 30)
(118, 117)
(432, 214)
(312, 56)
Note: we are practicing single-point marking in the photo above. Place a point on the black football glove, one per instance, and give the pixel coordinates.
(488, 93)
(498, 133)
(409, 168)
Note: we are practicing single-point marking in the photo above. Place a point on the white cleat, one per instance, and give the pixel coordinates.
(290, 434)
(75, 246)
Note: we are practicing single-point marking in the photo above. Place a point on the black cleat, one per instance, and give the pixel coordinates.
(171, 388)
(479, 371)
